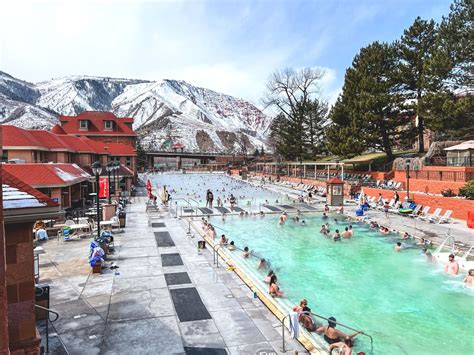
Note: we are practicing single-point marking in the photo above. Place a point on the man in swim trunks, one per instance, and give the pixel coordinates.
(469, 279)
(346, 233)
(452, 267)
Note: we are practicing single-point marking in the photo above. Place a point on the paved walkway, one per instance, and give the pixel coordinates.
(165, 297)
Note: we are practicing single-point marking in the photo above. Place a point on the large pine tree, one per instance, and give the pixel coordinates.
(368, 114)
(420, 69)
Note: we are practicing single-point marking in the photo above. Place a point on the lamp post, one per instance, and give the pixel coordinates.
(301, 169)
(97, 170)
(407, 170)
(109, 168)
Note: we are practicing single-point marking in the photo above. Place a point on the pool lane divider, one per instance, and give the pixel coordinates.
(266, 299)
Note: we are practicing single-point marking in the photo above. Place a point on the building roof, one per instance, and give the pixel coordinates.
(335, 181)
(18, 137)
(70, 124)
(47, 174)
(17, 194)
(468, 145)
(44, 140)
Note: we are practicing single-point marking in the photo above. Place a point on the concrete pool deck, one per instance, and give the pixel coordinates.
(165, 297)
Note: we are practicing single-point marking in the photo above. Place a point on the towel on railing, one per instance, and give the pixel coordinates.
(294, 325)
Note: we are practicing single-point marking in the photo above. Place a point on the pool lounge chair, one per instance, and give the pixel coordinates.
(446, 218)
(415, 212)
(424, 212)
(433, 217)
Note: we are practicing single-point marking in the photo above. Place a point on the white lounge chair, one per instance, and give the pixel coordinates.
(424, 213)
(434, 217)
(446, 218)
(415, 212)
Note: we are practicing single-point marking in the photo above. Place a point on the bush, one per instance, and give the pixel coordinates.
(468, 190)
(448, 193)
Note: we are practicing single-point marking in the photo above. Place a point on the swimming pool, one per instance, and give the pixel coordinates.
(194, 186)
(408, 305)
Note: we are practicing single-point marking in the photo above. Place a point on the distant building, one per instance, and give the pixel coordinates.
(38, 146)
(99, 126)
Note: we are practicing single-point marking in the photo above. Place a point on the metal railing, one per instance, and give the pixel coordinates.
(56, 314)
(327, 319)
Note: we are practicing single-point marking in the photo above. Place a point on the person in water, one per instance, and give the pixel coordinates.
(262, 264)
(398, 247)
(325, 215)
(223, 240)
(268, 277)
(231, 246)
(347, 234)
(428, 255)
(344, 347)
(331, 334)
(304, 315)
(337, 236)
(246, 252)
(452, 267)
(273, 288)
(469, 279)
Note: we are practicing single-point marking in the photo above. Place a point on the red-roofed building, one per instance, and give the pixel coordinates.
(99, 126)
(36, 146)
(22, 205)
(66, 184)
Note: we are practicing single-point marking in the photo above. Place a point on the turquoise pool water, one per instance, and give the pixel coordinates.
(408, 305)
(186, 186)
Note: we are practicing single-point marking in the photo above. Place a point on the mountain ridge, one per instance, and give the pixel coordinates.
(163, 110)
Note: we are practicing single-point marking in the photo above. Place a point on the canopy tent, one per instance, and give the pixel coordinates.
(460, 154)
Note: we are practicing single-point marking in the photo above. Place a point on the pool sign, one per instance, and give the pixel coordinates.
(103, 187)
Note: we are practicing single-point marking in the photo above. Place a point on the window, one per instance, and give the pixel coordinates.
(129, 125)
(129, 161)
(83, 124)
(5, 155)
(108, 125)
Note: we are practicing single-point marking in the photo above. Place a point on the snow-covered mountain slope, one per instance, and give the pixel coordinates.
(165, 110)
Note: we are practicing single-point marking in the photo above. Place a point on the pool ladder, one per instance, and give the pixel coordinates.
(327, 319)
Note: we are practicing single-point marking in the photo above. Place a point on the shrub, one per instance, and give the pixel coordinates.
(448, 193)
(467, 190)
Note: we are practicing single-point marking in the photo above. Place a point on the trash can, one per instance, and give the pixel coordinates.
(122, 218)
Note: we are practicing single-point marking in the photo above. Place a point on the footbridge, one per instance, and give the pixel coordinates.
(203, 157)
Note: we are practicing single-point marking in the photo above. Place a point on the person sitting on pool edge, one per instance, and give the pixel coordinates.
(304, 315)
(331, 334)
(273, 288)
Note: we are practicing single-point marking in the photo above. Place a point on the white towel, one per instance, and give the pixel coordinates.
(294, 325)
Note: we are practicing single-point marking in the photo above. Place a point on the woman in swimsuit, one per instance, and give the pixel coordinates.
(342, 347)
(331, 334)
(273, 289)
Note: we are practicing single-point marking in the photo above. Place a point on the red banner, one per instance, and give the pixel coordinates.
(103, 187)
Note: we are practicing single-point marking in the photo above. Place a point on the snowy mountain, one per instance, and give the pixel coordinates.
(165, 110)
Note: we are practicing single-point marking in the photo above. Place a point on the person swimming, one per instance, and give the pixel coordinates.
(337, 236)
(347, 234)
(246, 252)
(231, 246)
(398, 247)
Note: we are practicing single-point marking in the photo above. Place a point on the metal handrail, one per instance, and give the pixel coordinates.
(327, 319)
(47, 323)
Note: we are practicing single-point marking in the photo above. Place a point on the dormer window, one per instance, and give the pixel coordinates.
(83, 124)
(108, 125)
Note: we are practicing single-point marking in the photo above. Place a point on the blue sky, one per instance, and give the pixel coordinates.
(228, 46)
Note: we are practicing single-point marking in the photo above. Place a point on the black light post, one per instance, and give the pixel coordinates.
(117, 168)
(407, 169)
(301, 170)
(97, 170)
(109, 169)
